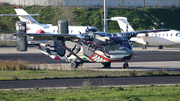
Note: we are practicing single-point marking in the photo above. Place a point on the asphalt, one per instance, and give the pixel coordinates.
(56, 83)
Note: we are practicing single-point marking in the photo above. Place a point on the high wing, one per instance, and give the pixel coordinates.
(65, 37)
(59, 38)
(135, 33)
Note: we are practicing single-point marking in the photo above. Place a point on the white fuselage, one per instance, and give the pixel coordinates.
(49, 29)
(171, 37)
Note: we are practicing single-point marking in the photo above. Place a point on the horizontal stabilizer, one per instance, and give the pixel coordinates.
(116, 18)
(18, 15)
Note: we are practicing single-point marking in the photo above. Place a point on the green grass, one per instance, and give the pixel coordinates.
(7, 43)
(24, 70)
(132, 93)
(56, 74)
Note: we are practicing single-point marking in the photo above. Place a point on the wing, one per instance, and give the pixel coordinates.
(40, 36)
(59, 38)
(135, 33)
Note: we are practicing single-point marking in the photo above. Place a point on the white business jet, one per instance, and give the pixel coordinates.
(165, 38)
(35, 27)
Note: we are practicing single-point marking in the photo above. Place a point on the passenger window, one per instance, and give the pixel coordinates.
(178, 34)
(114, 34)
(159, 35)
(171, 34)
(167, 35)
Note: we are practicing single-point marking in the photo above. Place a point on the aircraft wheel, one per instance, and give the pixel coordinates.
(74, 65)
(160, 47)
(125, 66)
(106, 64)
(144, 47)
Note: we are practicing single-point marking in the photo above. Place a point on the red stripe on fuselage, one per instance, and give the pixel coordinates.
(101, 57)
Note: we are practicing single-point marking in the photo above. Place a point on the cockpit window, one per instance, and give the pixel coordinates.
(103, 34)
(93, 30)
(120, 40)
(178, 34)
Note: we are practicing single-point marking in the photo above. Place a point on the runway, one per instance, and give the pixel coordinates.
(150, 59)
(59, 83)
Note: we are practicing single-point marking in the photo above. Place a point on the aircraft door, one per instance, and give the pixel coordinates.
(59, 49)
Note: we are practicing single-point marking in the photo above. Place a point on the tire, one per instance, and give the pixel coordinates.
(160, 47)
(125, 66)
(74, 65)
(106, 64)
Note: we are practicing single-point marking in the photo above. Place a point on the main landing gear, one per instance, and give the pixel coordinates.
(106, 64)
(75, 64)
(125, 65)
(160, 47)
(145, 46)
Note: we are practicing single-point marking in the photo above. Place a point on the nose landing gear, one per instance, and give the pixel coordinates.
(75, 64)
(125, 65)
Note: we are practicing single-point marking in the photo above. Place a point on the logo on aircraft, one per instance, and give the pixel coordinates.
(98, 58)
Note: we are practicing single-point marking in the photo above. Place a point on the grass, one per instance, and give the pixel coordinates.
(89, 93)
(7, 43)
(24, 70)
(14, 65)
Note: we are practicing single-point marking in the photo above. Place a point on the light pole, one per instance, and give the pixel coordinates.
(105, 15)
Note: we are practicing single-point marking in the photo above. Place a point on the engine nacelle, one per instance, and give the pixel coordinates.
(21, 41)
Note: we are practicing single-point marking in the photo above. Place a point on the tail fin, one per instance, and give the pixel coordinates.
(24, 16)
(123, 24)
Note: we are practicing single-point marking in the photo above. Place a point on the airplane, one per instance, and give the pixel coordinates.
(100, 47)
(35, 27)
(171, 37)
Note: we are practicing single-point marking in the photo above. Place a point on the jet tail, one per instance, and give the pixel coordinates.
(123, 24)
(23, 16)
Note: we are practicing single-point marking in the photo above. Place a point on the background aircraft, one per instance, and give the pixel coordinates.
(35, 27)
(171, 37)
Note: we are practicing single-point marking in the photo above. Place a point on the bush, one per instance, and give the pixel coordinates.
(133, 73)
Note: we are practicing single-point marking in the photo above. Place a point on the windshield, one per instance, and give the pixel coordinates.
(93, 30)
(178, 34)
(121, 41)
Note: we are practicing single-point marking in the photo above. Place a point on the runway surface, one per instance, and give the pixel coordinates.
(144, 56)
(151, 59)
(55, 83)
